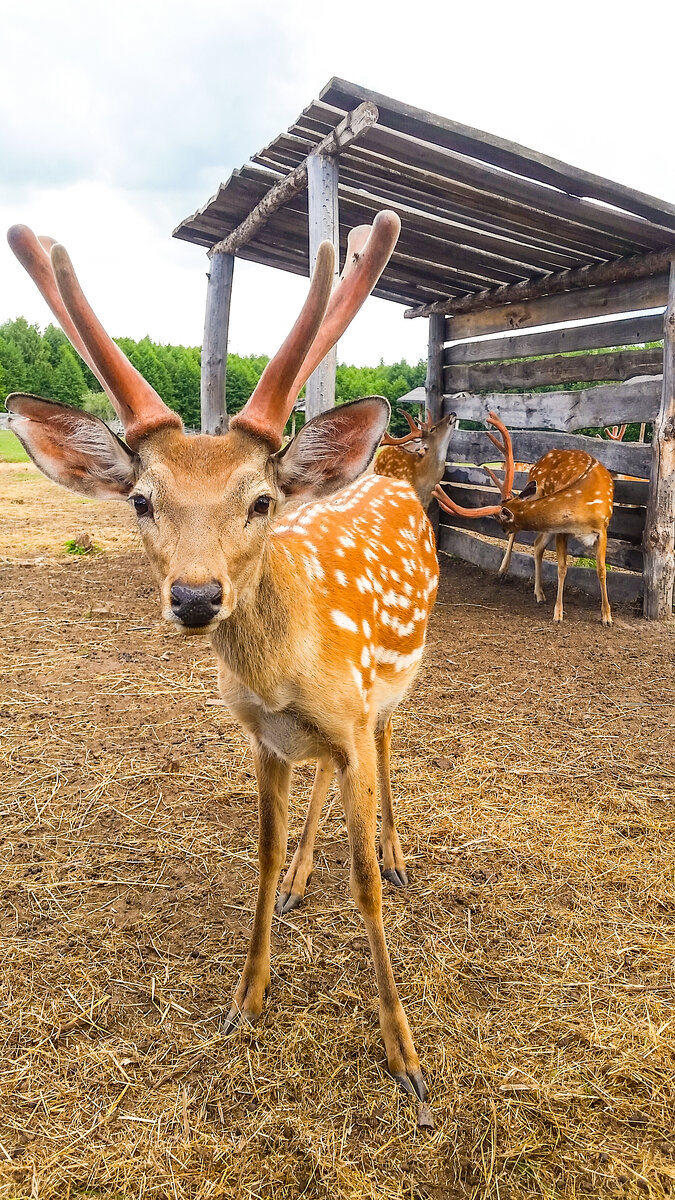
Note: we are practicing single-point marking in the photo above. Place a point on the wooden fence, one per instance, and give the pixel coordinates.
(472, 377)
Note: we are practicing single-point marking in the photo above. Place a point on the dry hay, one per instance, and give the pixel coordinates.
(534, 947)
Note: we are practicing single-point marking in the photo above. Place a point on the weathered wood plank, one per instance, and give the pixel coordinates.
(214, 348)
(434, 382)
(621, 270)
(569, 306)
(591, 407)
(620, 553)
(352, 126)
(597, 336)
(627, 458)
(626, 491)
(500, 151)
(659, 541)
(623, 587)
(543, 372)
(324, 225)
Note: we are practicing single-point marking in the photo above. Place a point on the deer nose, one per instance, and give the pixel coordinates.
(195, 606)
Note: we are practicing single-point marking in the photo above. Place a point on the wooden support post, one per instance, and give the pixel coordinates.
(324, 225)
(434, 381)
(659, 540)
(214, 349)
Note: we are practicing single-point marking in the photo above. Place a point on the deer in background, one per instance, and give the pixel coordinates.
(568, 493)
(314, 581)
(422, 468)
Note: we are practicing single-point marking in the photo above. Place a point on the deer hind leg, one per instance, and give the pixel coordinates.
(600, 553)
(561, 551)
(506, 561)
(297, 877)
(540, 543)
(393, 862)
(274, 776)
(358, 785)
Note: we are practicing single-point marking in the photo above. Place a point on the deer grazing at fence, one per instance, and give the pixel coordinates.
(313, 580)
(568, 493)
(422, 468)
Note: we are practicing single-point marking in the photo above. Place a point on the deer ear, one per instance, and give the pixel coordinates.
(333, 449)
(73, 447)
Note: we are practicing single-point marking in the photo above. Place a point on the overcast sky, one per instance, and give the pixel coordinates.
(119, 119)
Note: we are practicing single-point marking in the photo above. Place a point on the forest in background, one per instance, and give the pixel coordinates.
(44, 364)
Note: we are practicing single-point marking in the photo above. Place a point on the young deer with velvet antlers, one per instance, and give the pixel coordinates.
(424, 468)
(314, 581)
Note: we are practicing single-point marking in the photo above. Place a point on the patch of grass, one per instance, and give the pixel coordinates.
(82, 544)
(11, 449)
(590, 562)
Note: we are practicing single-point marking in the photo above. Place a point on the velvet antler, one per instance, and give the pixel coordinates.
(505, 487)
(137, 404)
(416, 432)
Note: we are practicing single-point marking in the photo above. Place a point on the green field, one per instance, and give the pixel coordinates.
(11, 449)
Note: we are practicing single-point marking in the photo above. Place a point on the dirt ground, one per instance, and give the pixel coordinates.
(534, 947)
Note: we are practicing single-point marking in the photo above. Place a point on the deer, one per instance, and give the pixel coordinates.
(568, 493)
(424, 467)
(313, 581)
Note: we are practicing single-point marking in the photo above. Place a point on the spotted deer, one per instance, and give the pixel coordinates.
(568, 493)
(314, 581)
(424, 467)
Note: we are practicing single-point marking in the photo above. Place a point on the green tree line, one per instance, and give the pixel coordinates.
(44, 364)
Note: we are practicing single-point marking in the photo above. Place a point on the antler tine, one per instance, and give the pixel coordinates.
(140, 408)
(272, 400)
(415, 432)
(450, 506)
(506, 448)
(369, 249)
(616, 432)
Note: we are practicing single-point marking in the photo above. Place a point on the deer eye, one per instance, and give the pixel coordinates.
(261, 506)
(142, 505)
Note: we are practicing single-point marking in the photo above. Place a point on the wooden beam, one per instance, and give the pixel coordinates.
(551, 372)
(621, 270)
(627, 458)
(659, 543)
(433, 388)
(352, 127)
(639, 294)
(214, 349)
(598, 336)
(324, 225)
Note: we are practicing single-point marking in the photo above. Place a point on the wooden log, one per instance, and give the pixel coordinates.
(624, 554)
(623, 587)
(626, 491)
(593, 407)
(621, 270)
(351, 127)
(433, 390)
(324, 225)
(543, 372)
(597, 336)
(500, 152)
(214, 349)
(627, 458)
(569, 306)
(659, 541)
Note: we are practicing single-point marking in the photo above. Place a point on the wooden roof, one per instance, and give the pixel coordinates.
(477, 211)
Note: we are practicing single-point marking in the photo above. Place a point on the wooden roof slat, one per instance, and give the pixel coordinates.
(500, 152)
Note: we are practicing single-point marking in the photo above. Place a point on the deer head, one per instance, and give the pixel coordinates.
(205, 504)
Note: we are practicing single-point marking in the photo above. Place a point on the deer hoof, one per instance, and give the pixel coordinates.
(236, 1019)
(412, 1083)
(397, 876)
(286, 902)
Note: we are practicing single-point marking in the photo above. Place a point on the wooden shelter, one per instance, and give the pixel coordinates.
(496, 239)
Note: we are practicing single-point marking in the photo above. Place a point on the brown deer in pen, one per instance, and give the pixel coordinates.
(568, 493)
(423, 468)
(314, 581)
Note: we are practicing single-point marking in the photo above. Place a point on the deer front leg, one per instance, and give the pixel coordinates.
(561, 551)
(393, 862)
(297, 876)
(600, 553)
(358, 786)
(506, 561)
(540, 543)
(274, 776)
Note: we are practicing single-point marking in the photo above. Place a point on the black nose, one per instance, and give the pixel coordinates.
(195, 606)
